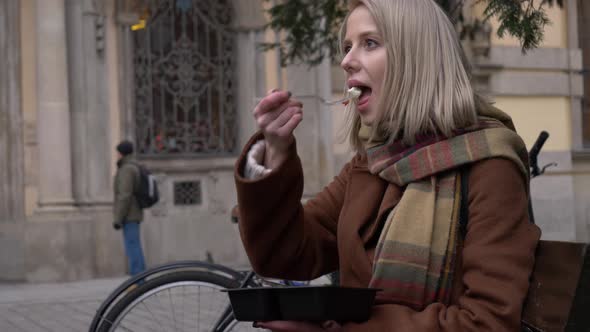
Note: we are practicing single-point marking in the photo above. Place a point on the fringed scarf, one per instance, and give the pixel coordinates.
(415, 255)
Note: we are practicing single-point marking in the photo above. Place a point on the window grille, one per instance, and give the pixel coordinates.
(183, 79)
(187, 193)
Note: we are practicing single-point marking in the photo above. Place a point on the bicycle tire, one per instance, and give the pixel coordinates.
(113, 320)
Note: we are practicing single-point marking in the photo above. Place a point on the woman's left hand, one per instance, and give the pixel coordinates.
(293, 326)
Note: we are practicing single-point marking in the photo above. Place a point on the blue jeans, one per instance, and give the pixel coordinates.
(133, 247)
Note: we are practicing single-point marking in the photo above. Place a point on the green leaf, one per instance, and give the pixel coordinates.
(309, 28)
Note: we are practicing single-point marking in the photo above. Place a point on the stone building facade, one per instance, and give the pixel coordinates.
(76, 79)
(74, 89)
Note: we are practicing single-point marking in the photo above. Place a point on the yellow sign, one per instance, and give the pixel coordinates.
(140, 25)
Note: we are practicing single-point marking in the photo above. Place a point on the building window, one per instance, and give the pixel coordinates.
(183, 75)
(187, 193)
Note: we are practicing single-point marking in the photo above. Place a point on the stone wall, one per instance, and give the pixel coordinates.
(11, 142)
(78, 103)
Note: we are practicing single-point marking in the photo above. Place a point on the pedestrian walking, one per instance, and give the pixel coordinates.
(127, 212)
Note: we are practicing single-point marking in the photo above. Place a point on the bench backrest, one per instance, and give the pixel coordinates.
(558, 297)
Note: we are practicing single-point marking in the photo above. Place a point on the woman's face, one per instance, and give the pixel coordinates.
(365, 61)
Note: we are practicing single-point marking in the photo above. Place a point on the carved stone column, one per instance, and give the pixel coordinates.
(11, 140)
(314, 134)
(11, 145)
(55, 165)
(89, 102)
(248, 22)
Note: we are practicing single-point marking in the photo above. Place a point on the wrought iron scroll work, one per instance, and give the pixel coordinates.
(184, 89)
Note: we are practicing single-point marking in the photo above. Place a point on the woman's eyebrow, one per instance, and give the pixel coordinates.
(364, 34)
(369, 33)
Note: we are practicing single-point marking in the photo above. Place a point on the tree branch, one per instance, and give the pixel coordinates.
(309, 28)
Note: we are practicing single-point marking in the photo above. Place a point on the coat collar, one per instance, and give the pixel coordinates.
(367, 202)
(371, 194)
(125, 160)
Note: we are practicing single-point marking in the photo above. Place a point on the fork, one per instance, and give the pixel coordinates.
(322, 100)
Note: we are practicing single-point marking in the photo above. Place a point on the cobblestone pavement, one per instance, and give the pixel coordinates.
(62, 307)
(70, 307)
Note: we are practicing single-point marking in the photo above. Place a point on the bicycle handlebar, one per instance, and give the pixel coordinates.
(534, 153)
(539, 144)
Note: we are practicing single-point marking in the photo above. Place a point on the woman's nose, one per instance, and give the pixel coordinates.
(349, 63)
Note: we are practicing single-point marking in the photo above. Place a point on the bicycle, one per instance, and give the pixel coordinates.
(153, 297)
(149, 301)
(154, 294)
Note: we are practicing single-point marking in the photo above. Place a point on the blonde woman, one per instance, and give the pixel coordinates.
(390, 219)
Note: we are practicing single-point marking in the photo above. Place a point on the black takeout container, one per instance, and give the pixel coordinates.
(254, 304)
(305, 303)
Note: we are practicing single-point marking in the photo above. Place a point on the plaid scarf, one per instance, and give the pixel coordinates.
(415, 255)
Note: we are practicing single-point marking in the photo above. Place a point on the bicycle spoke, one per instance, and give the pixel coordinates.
(152, 315)
(180, 302)
(126, 329)
(182, 307)
(199, 309)
(172, 308)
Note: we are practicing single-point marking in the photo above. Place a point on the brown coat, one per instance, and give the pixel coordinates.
(339, 229)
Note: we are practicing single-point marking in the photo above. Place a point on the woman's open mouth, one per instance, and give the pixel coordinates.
(364, 98)
(366, 93)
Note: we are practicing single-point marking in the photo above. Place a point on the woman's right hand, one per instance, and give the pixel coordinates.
(277, 116)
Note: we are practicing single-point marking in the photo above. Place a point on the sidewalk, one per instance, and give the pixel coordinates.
(63, 307)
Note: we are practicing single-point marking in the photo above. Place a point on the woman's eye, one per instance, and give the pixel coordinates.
(371, 43)
(347, 49)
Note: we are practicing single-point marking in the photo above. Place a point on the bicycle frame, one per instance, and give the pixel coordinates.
(228, 313)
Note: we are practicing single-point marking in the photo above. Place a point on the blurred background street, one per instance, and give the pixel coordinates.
(179, 78)
(55, 307)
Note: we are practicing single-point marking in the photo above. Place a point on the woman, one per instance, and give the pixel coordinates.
(390, 218)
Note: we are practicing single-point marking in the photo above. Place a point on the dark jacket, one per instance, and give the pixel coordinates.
(125, 206)
(339, 229)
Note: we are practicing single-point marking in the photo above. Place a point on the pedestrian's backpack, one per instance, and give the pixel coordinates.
(146, 191)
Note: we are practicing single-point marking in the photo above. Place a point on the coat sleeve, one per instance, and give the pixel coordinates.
(124, 187)
(497, 260)
(283, 238)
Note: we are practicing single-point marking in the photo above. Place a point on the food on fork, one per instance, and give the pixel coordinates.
(353, 94)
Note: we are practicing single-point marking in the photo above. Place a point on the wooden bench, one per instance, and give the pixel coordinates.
(559, 295)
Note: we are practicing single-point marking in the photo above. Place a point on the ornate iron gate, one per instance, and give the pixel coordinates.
(184, 91)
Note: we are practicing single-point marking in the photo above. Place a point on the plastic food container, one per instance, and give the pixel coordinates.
(310, 303)
(254, 304)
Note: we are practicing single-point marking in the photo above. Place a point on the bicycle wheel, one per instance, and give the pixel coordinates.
(175, 301)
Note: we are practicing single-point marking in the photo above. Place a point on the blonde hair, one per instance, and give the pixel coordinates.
(427, 85)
